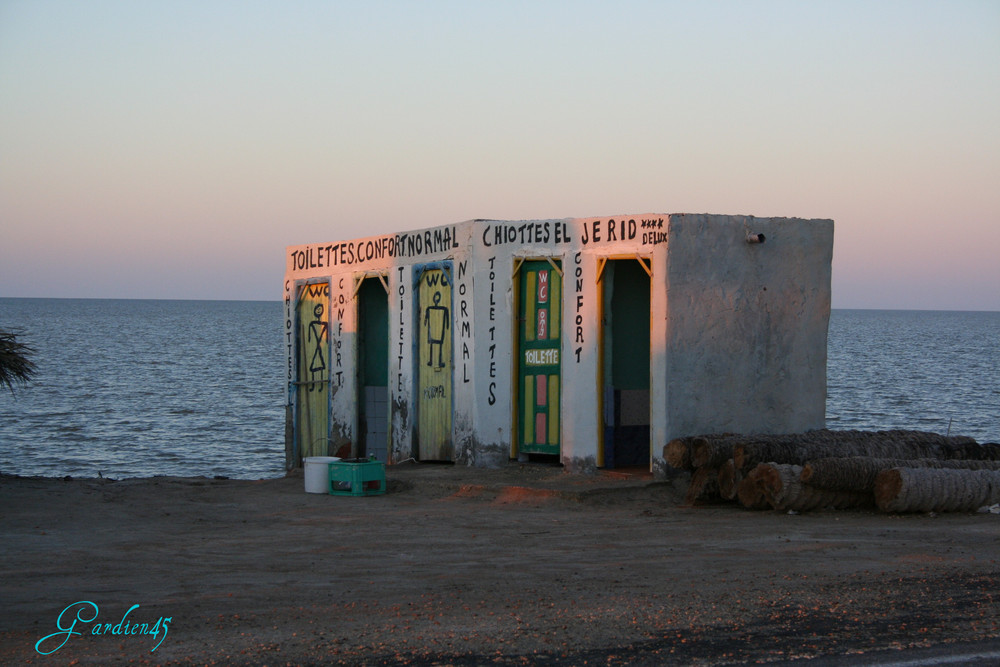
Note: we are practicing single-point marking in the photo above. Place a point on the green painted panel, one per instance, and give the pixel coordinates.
(539, 363)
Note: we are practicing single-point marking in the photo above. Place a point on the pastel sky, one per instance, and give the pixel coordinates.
(173, 149)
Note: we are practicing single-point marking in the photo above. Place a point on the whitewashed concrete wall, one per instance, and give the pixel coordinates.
(746, 325)
(737, 332)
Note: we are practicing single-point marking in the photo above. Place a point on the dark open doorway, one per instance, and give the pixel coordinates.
(373, 369)
(625, 334)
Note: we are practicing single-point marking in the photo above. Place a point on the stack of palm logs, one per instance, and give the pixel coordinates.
(896, 471)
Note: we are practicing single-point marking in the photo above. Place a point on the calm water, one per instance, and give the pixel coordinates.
(925, 370)
(140, 388)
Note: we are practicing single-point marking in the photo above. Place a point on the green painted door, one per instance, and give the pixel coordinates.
(312, 393)
(539, 363)
(434, 364)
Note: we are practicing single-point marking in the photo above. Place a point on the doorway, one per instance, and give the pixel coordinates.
(625, 361)
(373, 368)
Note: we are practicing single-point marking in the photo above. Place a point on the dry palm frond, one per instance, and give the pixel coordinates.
(16, 366)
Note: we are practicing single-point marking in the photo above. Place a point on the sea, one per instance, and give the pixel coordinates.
(139, 388)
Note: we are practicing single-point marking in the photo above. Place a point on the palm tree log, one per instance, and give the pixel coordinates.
(729, 479)
(704, 486)
(677, 453)
(783, 488)
(749, 494)
(801, 448)
(936, 489)
(711, 451)
(858, 473)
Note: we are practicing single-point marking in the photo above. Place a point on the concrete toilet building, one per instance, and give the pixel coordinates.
(589, 341)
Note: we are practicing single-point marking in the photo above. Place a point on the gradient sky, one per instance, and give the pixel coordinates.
(173, 149)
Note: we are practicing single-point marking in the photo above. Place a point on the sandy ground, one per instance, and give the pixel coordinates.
(521, 565)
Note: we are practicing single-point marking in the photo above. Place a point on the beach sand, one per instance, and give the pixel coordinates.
(520, 565)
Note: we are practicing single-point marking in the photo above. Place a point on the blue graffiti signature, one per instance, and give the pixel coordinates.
(86, 613)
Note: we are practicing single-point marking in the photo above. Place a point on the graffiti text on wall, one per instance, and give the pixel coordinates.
(317, 330)
(317, 339)
(465, 332)
(289, 331)
(526, 232)
(651, 234)
(578, 275)
(597, 231)
(399, 367)
(442, 239)
(437, 322)
(493, 328)
(338, 340)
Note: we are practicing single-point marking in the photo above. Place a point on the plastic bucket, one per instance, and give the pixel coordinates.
(317, 473)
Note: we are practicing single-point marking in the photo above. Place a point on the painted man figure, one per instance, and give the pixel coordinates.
(437, 320)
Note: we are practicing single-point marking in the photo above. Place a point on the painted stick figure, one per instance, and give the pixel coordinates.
(436, 328)
(318, 330)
